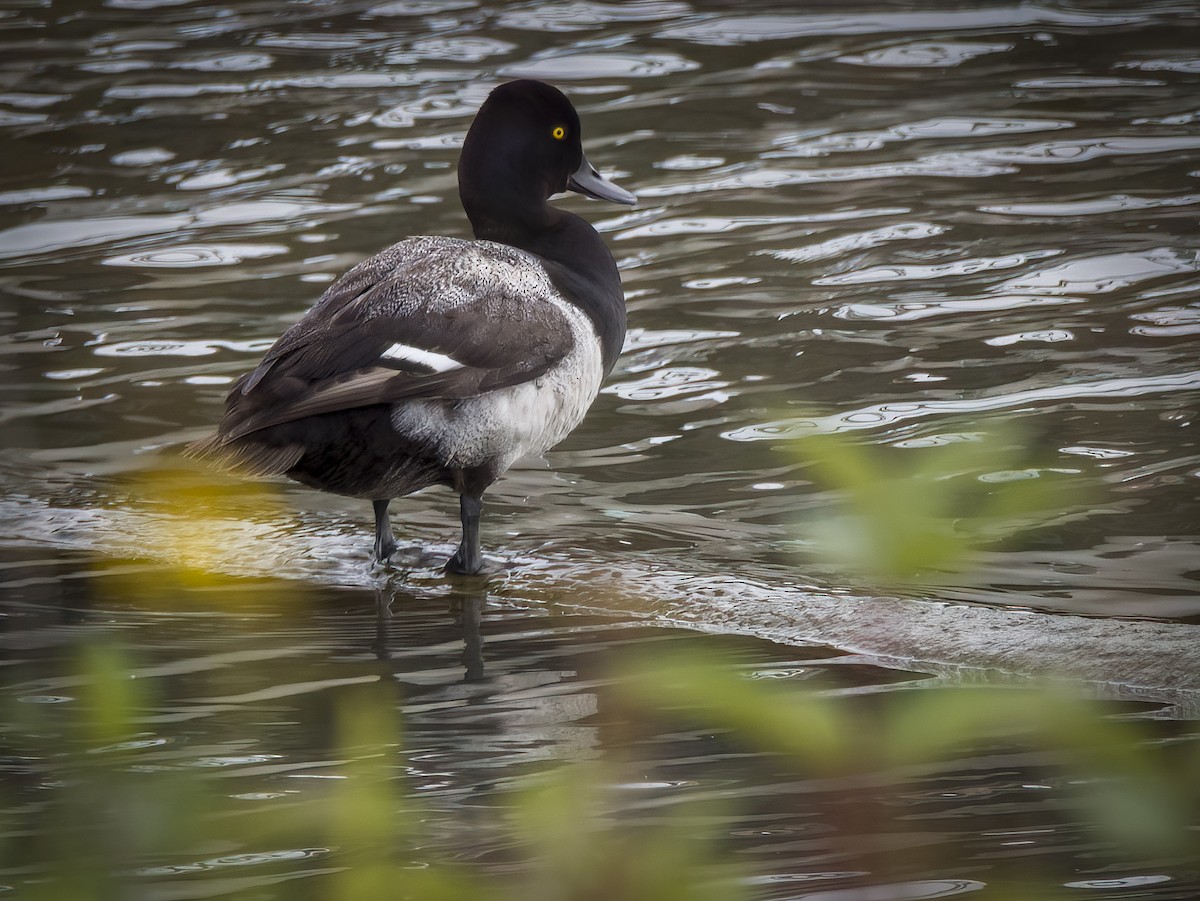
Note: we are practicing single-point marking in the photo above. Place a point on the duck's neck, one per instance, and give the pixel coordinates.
(577, 260)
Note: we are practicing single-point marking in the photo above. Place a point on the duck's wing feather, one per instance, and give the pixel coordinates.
(426, 318)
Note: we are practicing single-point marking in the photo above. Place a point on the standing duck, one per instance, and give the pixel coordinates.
(441, 361)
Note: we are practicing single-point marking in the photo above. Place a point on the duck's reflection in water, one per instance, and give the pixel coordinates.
(466, 609)
(533, 698)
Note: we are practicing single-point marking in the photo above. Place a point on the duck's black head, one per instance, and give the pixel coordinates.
(523, 147)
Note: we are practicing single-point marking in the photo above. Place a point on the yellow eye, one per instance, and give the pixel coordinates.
(558, 133)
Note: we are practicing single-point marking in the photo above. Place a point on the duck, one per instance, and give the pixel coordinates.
(444, 360)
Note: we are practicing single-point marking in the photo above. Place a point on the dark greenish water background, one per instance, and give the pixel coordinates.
(886, 222)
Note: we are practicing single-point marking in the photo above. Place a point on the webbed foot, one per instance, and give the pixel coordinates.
(481, 568)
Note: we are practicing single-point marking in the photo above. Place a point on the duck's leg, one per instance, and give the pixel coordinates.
(385, 541)
(468, 559)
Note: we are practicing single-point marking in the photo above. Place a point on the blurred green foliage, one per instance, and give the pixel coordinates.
(905, 514)
(1144, 798)
(116, 828)
(112, 822)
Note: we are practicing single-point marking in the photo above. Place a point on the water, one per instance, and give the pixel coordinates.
(889, 224)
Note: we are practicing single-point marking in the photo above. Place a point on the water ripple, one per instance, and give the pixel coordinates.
(436, 106)
(30, 99)
(228, 62)
(887, 415)
(670, 381)
(1119, 882)
(1043, 336)
(1085, 149)
(9, 119)
(418, 7)
(939, 128)
(1168, 322)
(601, 65)
(23, 196)
(954, 268)
(728, 30)
(1114, 203)
(146, 156)
(223, 178)
(930, 304)
(642, 339)
(1084, 82)
(856, 241)
(56, 235)
(235, 860)
(1189, 66)
(192, 255)
(706, 225)
(1103, 273)
(585, 14)
(455, 48)
(168, 348)
(336, 81)
(689, 161)
(766, 178)
(925, 54)
(921, 890)
(965, 164)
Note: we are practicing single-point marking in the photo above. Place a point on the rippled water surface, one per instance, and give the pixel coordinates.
(889, 223)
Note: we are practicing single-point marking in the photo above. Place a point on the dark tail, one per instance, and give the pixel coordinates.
(245, 455)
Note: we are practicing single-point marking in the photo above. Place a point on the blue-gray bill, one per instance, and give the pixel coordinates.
(590, 183)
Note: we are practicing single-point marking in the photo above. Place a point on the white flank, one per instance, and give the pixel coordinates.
(421, 357)
(499, 427)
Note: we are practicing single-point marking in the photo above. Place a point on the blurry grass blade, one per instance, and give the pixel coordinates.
(365, 804)
(111, 697)
(582, 853)
(803, 725)
(906, 513)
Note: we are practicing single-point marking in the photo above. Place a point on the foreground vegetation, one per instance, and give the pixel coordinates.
(95, 809)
